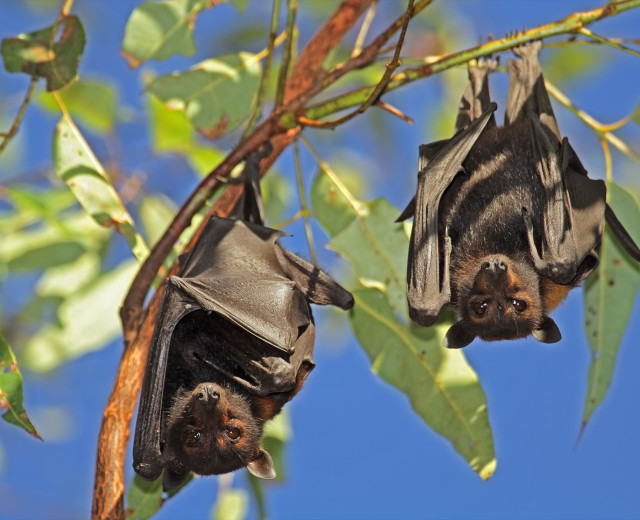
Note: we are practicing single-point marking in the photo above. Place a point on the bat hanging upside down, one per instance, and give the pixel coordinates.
(233, 342)
(506, 219)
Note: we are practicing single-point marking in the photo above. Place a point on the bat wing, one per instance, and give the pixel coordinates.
(427, 290)
(148, 460)
(476, 100)
(574, 205)
(527, 93)
(474, 103)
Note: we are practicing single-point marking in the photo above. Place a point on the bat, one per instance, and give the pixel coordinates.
(233, 342)
(506, 221)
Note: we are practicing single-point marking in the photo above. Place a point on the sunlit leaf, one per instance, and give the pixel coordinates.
(11, 390)
(156, 213)
(93, 103)
(216, 95)
(157, 30)
(442, 387)
(609, 296)
(146, 498)
(331, 207)
(232, 505)
(76, 164)
(277, 194)
(87, 320)
(51, 243)
(171, 131)
(39, 55)
(376, 247)
(65, 280)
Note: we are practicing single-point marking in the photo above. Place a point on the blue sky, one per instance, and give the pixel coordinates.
(358, 450)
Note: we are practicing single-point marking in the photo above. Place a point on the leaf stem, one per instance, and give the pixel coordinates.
(6, 137)
(266, 71)
(571, 24)
(288, 51)
(303, 203)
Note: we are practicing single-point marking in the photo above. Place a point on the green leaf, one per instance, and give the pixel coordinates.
(609, 296)
(331, 207)
(171, 131)
(52, 243)
(156, 213)
(93, 103)
(87, 321)
(76, 164)
(276, 193)
(443, 389)
(39, 55)
(232, 505)
(11, 390)
(376, 247)
(157, 30)
(146, 498)
(216, 95)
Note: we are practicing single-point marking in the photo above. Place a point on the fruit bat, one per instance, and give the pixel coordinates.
(233, 342)
(506, 219)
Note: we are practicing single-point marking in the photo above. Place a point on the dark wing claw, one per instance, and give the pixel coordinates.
(427, 290)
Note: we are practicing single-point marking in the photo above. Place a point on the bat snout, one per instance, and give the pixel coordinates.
(495, 266)
(207, 394)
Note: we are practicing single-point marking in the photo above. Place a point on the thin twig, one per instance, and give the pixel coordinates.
(603, 131)
(334, 178)
(382, 84)
(606, 41)
(394, 111)
(16, 122)
(364, 29)
(288, 51)
(569, 25)
(266, 71)
(303, 203)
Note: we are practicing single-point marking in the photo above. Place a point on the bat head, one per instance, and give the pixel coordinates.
(500, 299)
(213, 430)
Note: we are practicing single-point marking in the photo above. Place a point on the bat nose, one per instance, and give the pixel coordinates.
(495, 266)
(209, 395)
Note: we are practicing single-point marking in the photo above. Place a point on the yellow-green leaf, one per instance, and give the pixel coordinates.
(93, 103)
(442, 387)
(216, 95)
(39, 55)
(76, 164)
(11, 390)
(609, 296)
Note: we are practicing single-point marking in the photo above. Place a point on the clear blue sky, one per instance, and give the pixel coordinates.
(358, 450)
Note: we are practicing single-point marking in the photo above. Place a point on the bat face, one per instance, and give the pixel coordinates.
(501, 299)
(212, 430)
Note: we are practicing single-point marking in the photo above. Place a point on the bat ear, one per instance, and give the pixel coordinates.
(459, 335)
(262, 466)
(548, 331)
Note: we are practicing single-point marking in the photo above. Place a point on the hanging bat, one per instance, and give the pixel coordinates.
(506, 219)
(233, 342)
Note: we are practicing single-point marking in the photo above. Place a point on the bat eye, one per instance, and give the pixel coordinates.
(193, 438)
(519, 305)
(233, 432)
(479, 308)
